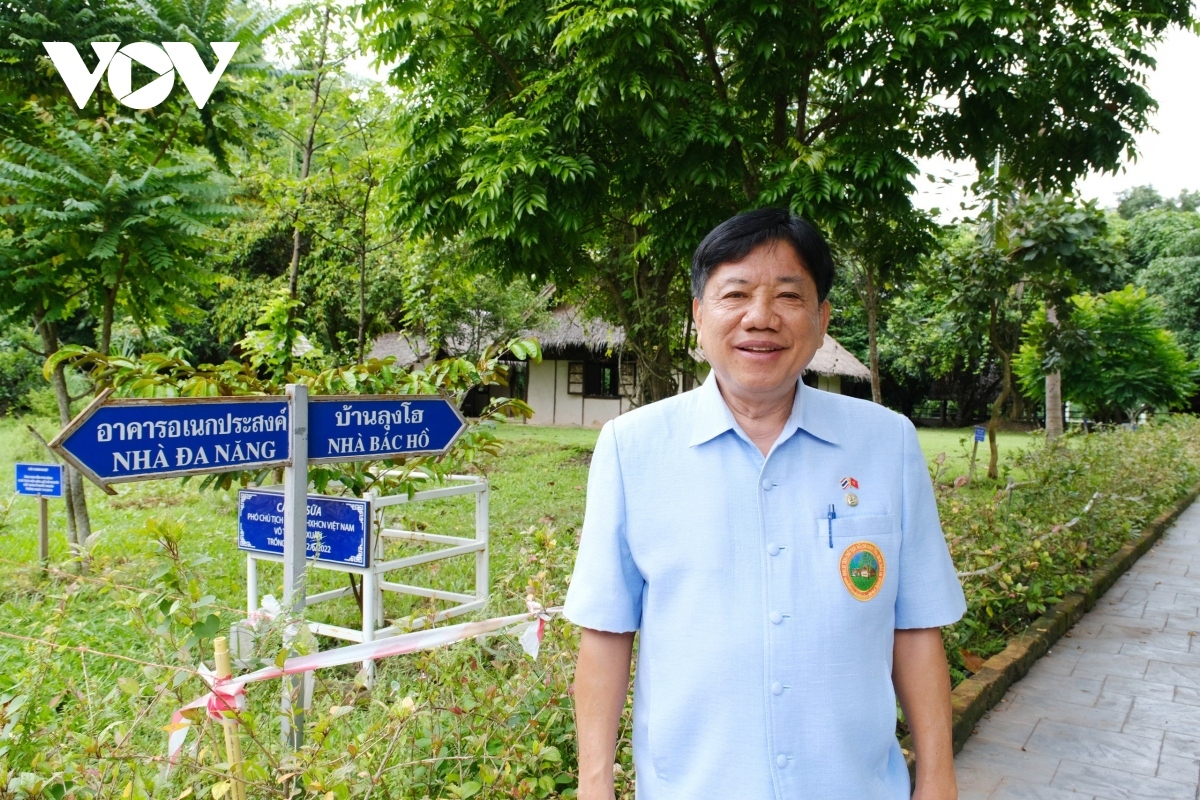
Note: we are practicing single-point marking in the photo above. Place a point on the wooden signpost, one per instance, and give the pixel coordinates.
(980, 432)
(42, 481)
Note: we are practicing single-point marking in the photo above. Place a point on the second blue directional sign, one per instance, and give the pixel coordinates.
(373, 427)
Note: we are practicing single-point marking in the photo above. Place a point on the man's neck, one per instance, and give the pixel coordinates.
(761, 417)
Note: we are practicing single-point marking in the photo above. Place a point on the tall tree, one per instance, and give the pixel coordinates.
(346, 212)
(318, 45)
(1131, 363)
(105, 207)
(601, 139)
(1165, 246)
(1028, 250)
(882, 253)
(1062, 247)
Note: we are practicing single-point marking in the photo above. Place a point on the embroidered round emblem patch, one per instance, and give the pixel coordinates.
(862, 570)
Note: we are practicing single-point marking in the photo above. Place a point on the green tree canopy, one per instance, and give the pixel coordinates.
(598, 138)
(1131, 362)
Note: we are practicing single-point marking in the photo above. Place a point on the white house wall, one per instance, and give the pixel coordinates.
(540, 392)
(595, 411)
(830, 383)
(553, 405)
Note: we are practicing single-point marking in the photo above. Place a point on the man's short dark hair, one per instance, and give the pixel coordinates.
(738, 236)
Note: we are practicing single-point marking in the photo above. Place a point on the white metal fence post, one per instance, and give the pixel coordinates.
(295, 552)
(482, 579)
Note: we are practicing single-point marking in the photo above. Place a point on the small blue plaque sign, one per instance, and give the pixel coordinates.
(339, 528)
(980, 433)
(42, 480)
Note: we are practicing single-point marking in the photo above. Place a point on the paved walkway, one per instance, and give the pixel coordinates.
(1113, 711)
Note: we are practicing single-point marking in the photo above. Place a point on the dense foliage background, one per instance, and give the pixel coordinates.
(496, 160)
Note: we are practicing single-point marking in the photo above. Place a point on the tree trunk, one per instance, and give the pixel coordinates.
(362, 275)
(871, 303)
(79, 523)
(306, 157)
(1006, 390)
(638, 290)
(1054, 415)
(688, 377)
(110, 305)
(362, 306)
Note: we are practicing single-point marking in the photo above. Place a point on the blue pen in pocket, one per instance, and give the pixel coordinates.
(832, 517)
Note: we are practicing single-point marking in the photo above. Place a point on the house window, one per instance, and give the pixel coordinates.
(600, 379)
(575, 377)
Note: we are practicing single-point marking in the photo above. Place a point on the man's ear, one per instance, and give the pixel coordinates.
(696, 317)
(826, 312)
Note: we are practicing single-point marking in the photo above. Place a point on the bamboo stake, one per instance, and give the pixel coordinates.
(233, 742)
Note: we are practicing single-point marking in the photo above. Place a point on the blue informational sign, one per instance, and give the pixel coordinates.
(371, 427)
(113, 441)
(980, 433)
(43, 480)
(339, 528)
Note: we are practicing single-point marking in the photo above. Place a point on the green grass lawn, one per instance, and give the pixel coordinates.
(954, 442)
(957, 443)
(539, 479)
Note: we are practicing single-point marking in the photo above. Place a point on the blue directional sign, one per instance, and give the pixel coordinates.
(339, 528)
(372, 427)
(42, 480)
(112, 441)
(980, 432)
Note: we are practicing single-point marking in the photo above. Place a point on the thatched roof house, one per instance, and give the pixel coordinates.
(584, 378)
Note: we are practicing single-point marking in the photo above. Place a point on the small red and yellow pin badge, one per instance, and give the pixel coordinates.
(863, 568)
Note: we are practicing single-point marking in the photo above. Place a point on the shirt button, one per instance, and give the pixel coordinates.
(766, 484)
(777, 688)
(773, 549)
(781, 760)
(776, 617)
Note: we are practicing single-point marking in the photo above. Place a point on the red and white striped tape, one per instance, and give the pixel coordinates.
(227, 696)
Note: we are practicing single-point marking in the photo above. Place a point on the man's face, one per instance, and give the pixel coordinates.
(760, 322)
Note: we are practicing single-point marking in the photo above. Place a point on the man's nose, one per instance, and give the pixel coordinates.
(760, 314)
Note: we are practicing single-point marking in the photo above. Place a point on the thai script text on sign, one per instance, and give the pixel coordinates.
(366, 427)
(43, 480)
(122, 440)
(338, 527)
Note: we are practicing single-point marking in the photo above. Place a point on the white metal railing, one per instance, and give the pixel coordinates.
(374, 583)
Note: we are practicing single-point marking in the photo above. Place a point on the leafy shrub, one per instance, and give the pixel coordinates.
(20, 369)
(1127, 361)
(1077, 502)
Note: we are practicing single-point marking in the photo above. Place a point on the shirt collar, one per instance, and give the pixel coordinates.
(810, 413)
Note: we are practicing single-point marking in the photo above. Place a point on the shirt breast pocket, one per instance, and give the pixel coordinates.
(861, 527)
(858, 560)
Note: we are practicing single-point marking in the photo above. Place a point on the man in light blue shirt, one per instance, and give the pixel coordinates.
(778, 549)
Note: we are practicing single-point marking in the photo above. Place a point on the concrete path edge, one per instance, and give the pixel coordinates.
(975, 696)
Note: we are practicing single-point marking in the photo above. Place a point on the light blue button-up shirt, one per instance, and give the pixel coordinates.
(759, 673)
